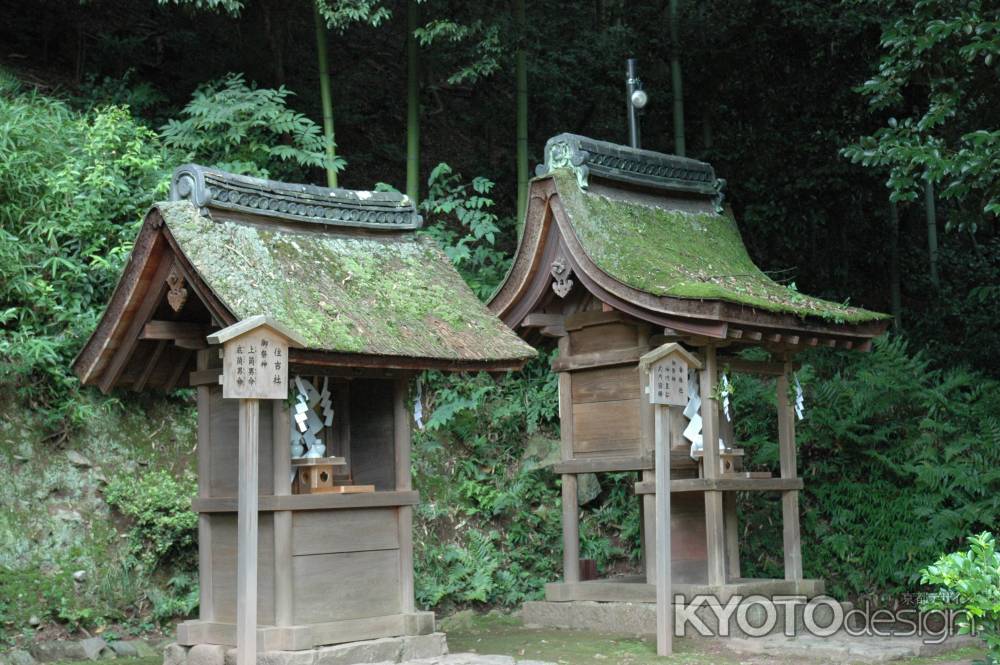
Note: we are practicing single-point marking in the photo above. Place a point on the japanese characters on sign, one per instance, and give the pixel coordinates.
(668, 379)
(255, 366)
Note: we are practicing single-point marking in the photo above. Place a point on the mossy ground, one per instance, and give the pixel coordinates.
(502, 634)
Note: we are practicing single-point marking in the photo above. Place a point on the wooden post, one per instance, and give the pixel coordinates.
(284, 600)
(664, 373)
(255, 367)
(206, 600)
(715, 538)
(570, 509)
(403, 444)
(733, 571)
(791, 536)
(246, 520)
(664, 590)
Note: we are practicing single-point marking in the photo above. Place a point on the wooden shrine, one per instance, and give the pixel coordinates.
(624, 250)
(368, 304)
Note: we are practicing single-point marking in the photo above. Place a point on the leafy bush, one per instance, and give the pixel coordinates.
(163, 525)
(970, 583)
(462, 220)
(246, 129)
(897, 457)
(73, 186)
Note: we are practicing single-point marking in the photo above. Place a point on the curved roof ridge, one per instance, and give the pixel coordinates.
(209, 188)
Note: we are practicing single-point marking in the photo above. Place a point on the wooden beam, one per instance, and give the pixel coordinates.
(734, 333)
(865, 346)
(724, 484)
(175, 374)
(543, 320)
(331, 501)
(154, 358)
(753, 335)
(792, 340)
(570, 363)
(154, 295)
(284, 584)
(738, 364)
(175, 330)
(774, 338)
(846, 344)
(604, 464)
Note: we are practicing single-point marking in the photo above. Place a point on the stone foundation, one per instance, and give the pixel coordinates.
(640, 618)
(384, 650)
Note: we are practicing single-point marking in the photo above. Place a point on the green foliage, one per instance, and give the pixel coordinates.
(72, 185)
(938, 70)
(246, 129)
(488, 528)
(462, 220)
(341, 14)
(969, 582)
(164, 528)
(885, 435)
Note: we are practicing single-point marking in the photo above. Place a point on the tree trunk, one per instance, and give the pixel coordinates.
(932, 241)
(325, 98)
(894, 281)
(675, 78)
(412, 106)
(522, 113)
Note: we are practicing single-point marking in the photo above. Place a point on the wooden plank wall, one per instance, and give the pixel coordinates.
(372, 429)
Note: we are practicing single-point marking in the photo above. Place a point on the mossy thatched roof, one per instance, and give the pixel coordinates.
(695, 255)
(375, 294)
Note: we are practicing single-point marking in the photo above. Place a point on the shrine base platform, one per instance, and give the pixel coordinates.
(383, 650)
(627, 606)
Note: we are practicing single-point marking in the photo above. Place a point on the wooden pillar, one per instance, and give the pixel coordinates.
(647, 445)
(206, 601)
(246, 520)
(733, 571)
(714, 520)
(284, 600)
(570, 509)
(789, 499)
(403, 443)
(664, 591)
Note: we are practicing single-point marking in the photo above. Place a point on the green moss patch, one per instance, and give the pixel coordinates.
(349, 293)
(683, 255)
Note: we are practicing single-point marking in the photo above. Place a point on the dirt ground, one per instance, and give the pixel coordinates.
(504, 634)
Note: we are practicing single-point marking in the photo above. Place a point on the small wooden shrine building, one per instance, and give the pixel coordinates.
(371, 303)
(624, 250)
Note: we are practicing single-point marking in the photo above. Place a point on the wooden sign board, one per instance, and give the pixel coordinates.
(254, 359)
(668, 374)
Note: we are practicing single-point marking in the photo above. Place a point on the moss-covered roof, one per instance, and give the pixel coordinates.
(680, 254)
(392, 295)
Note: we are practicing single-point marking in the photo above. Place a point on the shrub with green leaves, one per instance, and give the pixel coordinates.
(461, 218)
(73, 187)
(159, 506)
(969, 582)
(246, 129)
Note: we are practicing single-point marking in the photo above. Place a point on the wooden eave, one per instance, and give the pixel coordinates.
(548, 235)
